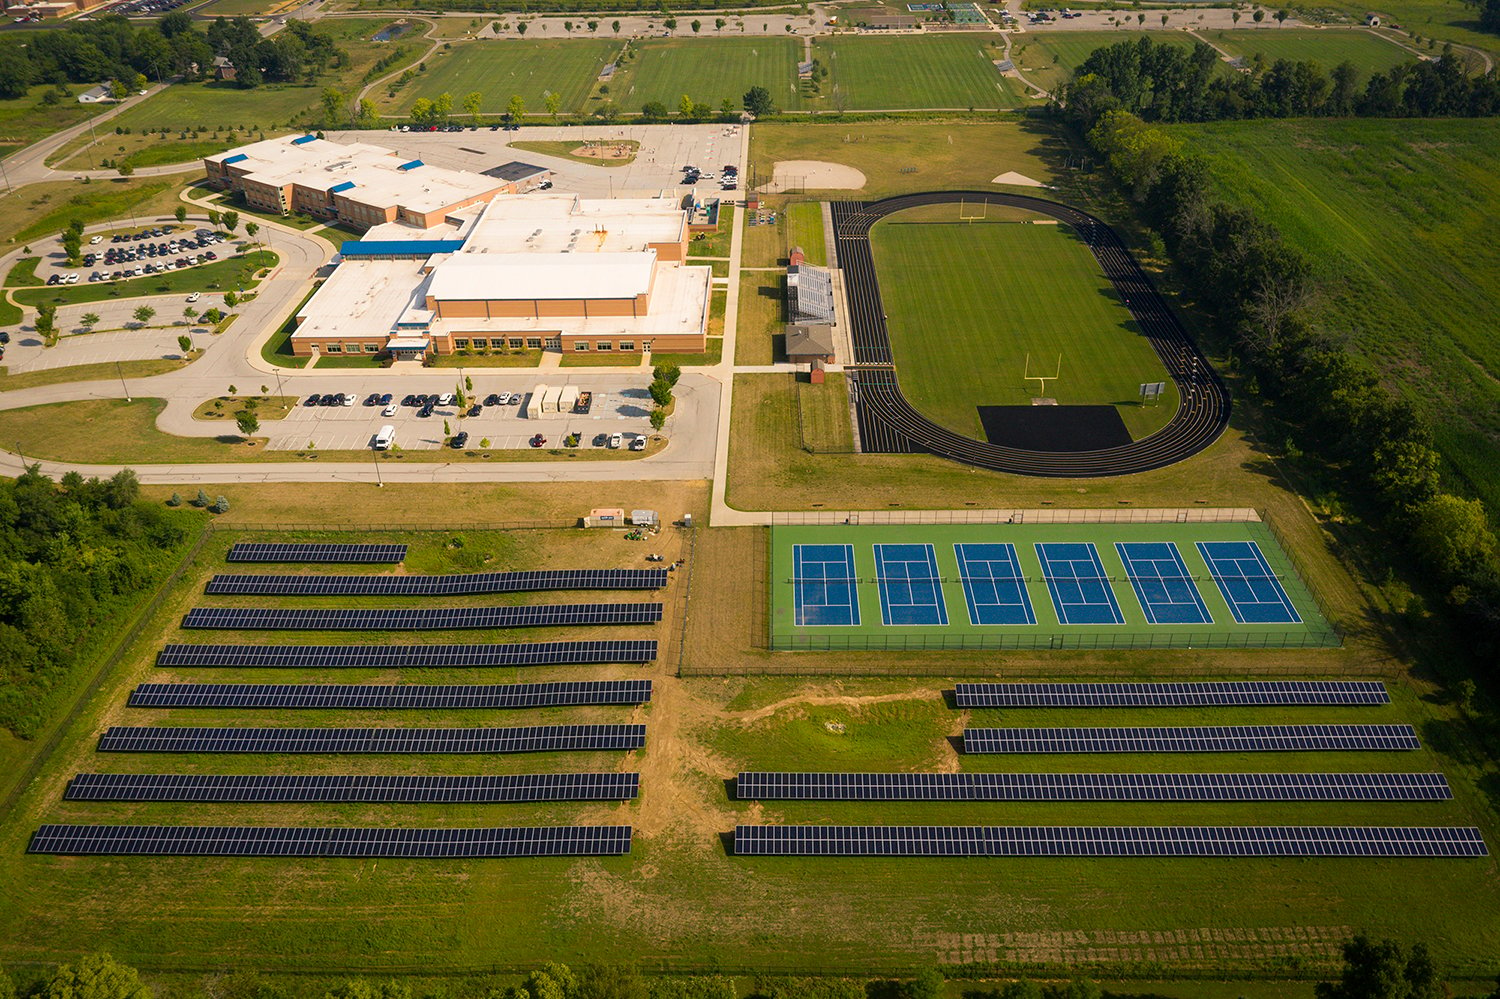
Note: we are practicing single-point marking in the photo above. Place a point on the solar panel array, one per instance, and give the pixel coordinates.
(409, 656)
(488, 789)
(1144, 695)
(1197, 739)
(1110, 841)
(408, 695)
(527, 739)
(265, 585)
(278, 552)
(772, 786)
(418, 618)
(266, 841)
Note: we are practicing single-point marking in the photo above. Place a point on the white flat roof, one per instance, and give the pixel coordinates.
(543, 222)
(521, 276)
(362, 298)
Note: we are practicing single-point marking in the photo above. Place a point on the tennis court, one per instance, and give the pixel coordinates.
(825, 593)
(1247, 582)
(994, 588)
(910, 589)
(1029, 586)
(1161, 583)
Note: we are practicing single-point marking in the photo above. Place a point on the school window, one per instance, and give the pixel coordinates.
(604, 345)
(516, 343)
(627, 345)
(533, 343)
(335, 348)
(372, 348)
(461, 344)
(581, 347)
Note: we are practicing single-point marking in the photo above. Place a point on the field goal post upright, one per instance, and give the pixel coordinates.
(1042, 379)
(964, 211)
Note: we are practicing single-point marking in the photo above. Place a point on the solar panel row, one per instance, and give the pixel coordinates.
(528, 739)
(773, 786)
(1140, 695)
(408, 656)
(354, 788)
(279, 552)
(266, 841)
(1109, 841)
(309, 695)
(266, 585)
(418, 618)
(1199, 739)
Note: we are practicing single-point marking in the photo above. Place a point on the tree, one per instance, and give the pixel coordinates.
(185, 343)
(365, 114)
(568, 27)
(697, 25)
(231, 221)
(616, 26)
(758, 102)
(927, 985)
(75, 226)
(421, 110)
(124, 168)
(221, 505)
(1235, 17)
(1281, 15)
(333, 106)
(1164, 20)
(1258, 16)
(90, 320)
(685, 106)
(215, 217)
(1452, 536)
(247, 423)
(143, 314)
(552, 980)
(1384, 970)
(661, 392)
(516, 109)
(658, 418)
(521, 27)
(46, 323)
(230, 299)
(1466, 691)
(473, 100)
(201, 500)
(610, 981)
(667, 371)
(670, 23)
(593, 25)
(442, 105)
(72, 245)
(553, 103)
(251, 229)
(174, 500)
(654, 111)
(719, 23)
(97, 976)
(608, 112)
(181, 213)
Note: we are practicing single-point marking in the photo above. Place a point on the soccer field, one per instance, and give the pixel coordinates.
(1024, 586)
(1328, 47)
(967, 303)
(1048, 58)
(908, 72)
(709, 70)
(500, 69)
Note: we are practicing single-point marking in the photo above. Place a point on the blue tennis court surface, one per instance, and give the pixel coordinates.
(910, 590)
(994, 588)
(1162, 583)
(823, 591)
(1075, 577)
(1251, 589)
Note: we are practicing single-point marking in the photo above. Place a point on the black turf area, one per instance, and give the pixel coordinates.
(1054, 428)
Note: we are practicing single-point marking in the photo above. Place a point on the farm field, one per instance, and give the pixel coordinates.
(1328, 47)
(1396, 218)
(968, 303)
(709, 71)
(501, 69)
(895, 73)
(679, 900)
(1048, 58)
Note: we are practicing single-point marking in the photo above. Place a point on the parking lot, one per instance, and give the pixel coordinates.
(110, 258)
(623, 409)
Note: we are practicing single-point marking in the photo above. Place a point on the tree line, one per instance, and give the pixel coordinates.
(73, 556)
(1170, 83)
(1261, 289)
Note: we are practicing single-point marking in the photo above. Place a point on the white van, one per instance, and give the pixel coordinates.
(385, 438)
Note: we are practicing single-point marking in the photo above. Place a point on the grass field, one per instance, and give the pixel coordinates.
(1048, 58)
(899, 156)
(1395, 217)
(1328, 46)
(568, 150)
(709, 71)
(896, 73)
(798, 223)
(968, 303)
(1445, 20)
(44, 209)
(760, 337)
(1049, 625)
(24, 120)
(501, 69)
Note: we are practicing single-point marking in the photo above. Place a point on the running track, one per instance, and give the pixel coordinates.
(888, 423)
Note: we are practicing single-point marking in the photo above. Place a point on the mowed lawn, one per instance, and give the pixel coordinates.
(915, 72)
(1327, 46)
(709, 70)
(967, 303)
(500, 69)
(1048, 58)
(1397, 219)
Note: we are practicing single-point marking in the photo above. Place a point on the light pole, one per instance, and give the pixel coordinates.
(5, 175)
(121, 372)
(375, 456)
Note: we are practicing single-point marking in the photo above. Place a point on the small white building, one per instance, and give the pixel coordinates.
(96, 95)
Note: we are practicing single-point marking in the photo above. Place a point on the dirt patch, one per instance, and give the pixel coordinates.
(815, 699)
(813, 175)
(1017, 180)
(619, 152)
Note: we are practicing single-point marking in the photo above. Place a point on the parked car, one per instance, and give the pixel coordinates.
(329, 400)
(425, 410)
(348, 399)
(638, 442)
(476, 409)
(312, 400)
(385, 399)
(615, 440)
(492, 399)
(601, 440)
(538, 441)
(389, 410)
(446, 399)
(459, 440)
(373, 399)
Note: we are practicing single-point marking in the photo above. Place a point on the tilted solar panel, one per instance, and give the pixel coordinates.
(354, 788)
(1110, 841)
(1136, 695)
(527, 739)
(409, 656)
(776, 786)
(268, 841)
(418, 618)
(410, 695)
(282, 552)
(267, 585)
(1192, 739)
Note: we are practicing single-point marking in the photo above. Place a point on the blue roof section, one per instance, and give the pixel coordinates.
(410, 165)
(236, 158)
(347, 185)
(356, 248)
(304, 140)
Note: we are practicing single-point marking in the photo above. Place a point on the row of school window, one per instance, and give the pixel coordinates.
(499, 343)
